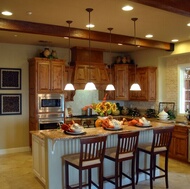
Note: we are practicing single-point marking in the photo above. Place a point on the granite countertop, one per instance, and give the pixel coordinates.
(57, 134)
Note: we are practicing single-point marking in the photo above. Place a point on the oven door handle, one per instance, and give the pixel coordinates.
(46, 122)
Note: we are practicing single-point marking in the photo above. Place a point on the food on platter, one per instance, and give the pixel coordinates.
(74, 127)
(139, 122)
(109, 122)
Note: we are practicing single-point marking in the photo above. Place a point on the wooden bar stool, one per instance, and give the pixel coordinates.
(125, 150)
(92, 150)
(160, 145)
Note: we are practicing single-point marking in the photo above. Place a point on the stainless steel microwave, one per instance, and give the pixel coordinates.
(51, 103)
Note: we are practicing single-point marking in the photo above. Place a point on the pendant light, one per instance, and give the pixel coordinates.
(69, 86)
(89, 85)
(110, 86)
(135, 86)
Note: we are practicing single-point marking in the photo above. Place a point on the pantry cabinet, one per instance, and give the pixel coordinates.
(179, 143)
(121, 72)
(146, 78)
(47, 74)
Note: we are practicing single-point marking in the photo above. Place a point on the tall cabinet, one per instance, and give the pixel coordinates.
(45, 76)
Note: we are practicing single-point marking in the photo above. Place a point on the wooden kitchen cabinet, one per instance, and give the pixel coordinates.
(48, 74)
(179, 143)
(69, 74)
(121, 72)
(146, 78)
(110, 94)
(96, 73)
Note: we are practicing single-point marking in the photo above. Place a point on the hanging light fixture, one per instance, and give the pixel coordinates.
(69, 86)
(135, 86)
(89, 85)
(110, 86)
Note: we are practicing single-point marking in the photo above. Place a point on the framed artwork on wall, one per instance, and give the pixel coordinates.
(10, 78)
(11, 104)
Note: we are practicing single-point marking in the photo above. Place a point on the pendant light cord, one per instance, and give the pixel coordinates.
(110, 29)
(89, 10)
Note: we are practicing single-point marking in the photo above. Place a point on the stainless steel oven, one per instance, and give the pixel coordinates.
(50, 103)
(50, 121)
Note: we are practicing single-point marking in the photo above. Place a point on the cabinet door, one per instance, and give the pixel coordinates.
(43, 76)
(68, 76)
(57, 76)
(121, 82)
(181, 146)
(146, 78)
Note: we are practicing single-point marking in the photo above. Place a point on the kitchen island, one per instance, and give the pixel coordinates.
(57, 144)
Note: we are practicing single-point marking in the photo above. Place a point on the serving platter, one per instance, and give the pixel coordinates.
(113, 129)
(75, 133)
(143, 126)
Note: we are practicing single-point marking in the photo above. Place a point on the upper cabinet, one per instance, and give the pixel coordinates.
(122, 81)
(68, 76)
(47, 74)
(146, 78)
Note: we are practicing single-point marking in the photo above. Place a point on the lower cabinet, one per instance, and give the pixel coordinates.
(38, 153)
(179, 143)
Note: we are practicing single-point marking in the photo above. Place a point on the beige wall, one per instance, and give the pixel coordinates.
(14, 129)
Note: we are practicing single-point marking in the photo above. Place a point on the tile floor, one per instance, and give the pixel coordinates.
(16, 173)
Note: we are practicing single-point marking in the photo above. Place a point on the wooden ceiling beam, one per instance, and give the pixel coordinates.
(176, 6)
(61, 31)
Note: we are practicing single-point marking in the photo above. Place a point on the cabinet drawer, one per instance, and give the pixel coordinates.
(180, 129)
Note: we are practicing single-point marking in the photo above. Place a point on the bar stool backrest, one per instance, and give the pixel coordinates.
(161, 139)
(127, 145)
(92, 150)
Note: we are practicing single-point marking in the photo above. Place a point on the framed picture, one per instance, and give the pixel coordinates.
(11, 104)
(10, 78)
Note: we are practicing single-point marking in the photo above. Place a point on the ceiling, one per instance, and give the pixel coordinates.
(164, 25)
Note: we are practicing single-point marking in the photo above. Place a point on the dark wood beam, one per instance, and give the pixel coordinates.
(61, 31)
(176, 6)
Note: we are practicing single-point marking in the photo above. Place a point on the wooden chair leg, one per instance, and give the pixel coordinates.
(80, 178)
(166, 170)
(137, 166)
(66, 174)
(151, 171)
(120, 173)
(133, 174)
(89, 178)
(116, 175)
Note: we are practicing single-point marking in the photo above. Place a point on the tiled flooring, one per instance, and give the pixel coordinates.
(16, 173)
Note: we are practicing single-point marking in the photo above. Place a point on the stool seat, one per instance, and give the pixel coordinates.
(160, 145)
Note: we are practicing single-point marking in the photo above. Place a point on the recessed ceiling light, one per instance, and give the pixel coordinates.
(149, 36)
(174, 40)
(120, 44)
(6, 13)
(90, 25)
(127, 8)
(188, 24)
(66, 37)
(29, 13)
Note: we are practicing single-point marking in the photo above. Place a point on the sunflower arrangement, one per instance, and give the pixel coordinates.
(104, 108)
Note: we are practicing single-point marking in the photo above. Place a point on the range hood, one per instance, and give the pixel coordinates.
(84, 71)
